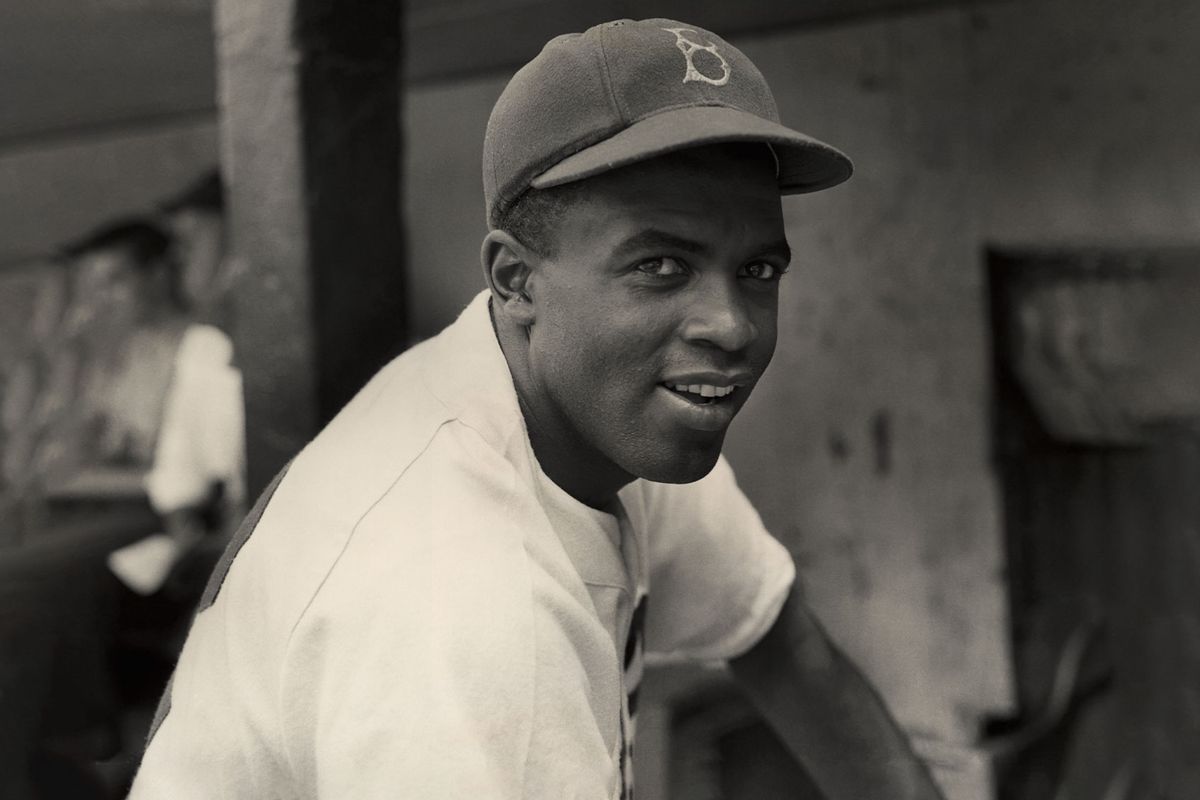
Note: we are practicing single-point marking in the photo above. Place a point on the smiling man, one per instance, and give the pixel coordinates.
(450, 592)
(637, 327)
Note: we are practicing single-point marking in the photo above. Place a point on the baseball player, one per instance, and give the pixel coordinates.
(450, 592)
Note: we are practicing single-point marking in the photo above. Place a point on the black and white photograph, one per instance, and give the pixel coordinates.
(599, 400)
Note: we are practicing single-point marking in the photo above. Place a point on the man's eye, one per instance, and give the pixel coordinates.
(763, 271)
(663, 267)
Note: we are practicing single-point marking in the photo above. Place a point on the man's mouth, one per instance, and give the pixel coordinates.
(701, 393)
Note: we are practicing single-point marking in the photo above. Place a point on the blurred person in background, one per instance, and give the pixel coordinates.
(137, 401)
(194, 476)
(160, 394)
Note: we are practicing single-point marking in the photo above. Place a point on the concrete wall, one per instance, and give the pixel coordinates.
(1087, 119)
(867, 448)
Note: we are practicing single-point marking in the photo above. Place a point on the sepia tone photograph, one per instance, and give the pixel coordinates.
(535, 400)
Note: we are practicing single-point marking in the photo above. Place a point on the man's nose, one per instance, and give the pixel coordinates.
(718, 317)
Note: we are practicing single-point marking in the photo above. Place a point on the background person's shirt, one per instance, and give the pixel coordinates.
(201, 440)
(418, 614)
(198, 449)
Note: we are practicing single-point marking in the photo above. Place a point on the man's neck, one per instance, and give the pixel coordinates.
(564, 456)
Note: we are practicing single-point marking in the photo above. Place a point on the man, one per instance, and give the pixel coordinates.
(449, 592)
(159, 401)
(158, 413)
(156, 393)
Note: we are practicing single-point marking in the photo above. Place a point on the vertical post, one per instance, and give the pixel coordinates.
(310, 140)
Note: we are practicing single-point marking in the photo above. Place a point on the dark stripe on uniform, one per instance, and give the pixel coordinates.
(217, 579)
(633, 702)
(635, 632)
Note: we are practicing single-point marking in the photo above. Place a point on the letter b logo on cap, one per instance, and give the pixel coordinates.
(689, 48)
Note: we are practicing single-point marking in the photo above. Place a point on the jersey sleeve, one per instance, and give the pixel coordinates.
(411, 673)
(717, 578)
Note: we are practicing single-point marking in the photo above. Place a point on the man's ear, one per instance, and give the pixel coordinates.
(507, 265)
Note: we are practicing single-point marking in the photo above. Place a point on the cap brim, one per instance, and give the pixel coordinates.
(805, 164)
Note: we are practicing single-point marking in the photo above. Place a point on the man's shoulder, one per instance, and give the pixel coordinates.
(458, 375)
(330, 543)
(444, 537)
(400, 429)
(419, 456)
(430, 470)
(454, 477)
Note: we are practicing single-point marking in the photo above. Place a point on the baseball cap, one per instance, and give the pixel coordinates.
(629, 90)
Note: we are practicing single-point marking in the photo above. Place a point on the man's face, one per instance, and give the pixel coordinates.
(115, 291)
(656, 313)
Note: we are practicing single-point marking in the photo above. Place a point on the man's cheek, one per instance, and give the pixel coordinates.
(768, 338)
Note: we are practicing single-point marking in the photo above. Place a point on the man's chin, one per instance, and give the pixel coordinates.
(680, 464)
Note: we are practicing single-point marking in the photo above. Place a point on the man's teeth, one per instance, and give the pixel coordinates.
(702, 389)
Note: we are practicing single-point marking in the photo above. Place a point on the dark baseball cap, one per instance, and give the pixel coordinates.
(630, 90)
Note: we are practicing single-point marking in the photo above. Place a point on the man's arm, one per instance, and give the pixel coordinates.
(827, 714)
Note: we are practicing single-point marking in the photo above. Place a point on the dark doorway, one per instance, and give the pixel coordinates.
(1098, 453)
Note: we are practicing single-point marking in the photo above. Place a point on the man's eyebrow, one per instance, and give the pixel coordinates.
(651, 238)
